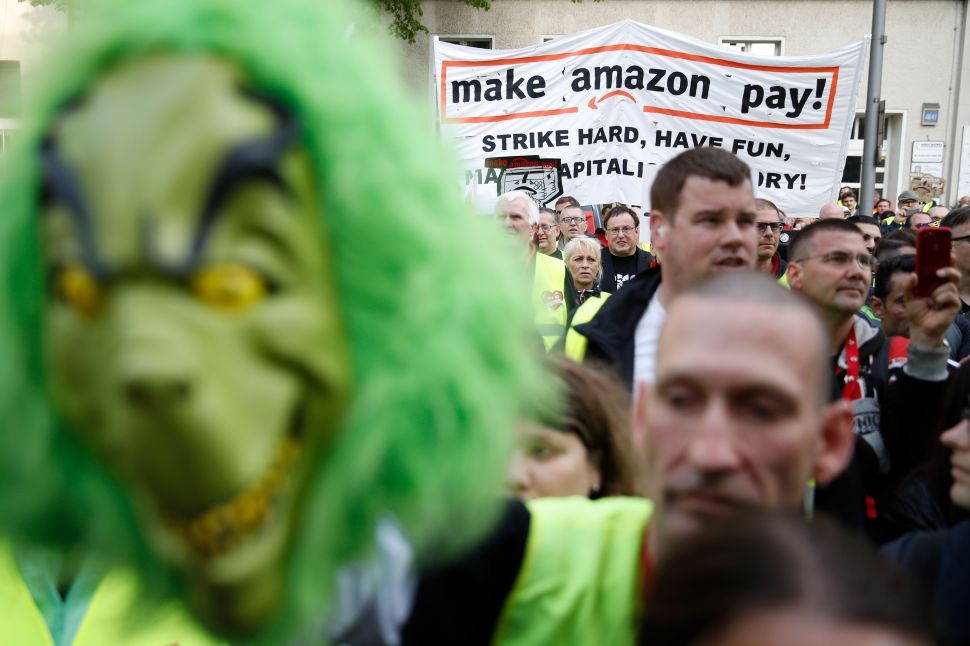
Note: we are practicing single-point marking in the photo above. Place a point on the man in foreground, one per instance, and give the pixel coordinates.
(722, 433)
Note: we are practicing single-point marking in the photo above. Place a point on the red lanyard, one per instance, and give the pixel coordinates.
(646, 565)
(852, 389)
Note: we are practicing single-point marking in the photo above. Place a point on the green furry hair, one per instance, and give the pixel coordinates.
(441, 353)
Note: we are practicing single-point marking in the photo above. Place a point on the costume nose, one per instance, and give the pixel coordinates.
(154, 364)
(155, 388)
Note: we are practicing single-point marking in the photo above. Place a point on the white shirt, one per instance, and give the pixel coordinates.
(645, 341)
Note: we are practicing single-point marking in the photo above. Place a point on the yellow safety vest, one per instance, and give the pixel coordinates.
(575, 348)
(115, 614)
(549, 299)
(581, 576)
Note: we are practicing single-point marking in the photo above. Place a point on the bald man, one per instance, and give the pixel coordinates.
(831, 211)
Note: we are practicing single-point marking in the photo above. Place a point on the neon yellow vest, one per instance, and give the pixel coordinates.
(110, 616)
(575, 342)
(579, 583)
(548, 298)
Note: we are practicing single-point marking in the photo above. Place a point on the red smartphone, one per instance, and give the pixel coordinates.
(932, 253)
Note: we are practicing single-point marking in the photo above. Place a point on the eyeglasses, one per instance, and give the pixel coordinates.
(864, 260)
(546, 227)
(959, 238)
(774, 226)
(574, 220)
(623, 230)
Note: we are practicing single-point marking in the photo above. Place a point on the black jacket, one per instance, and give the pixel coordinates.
(611, 332)
(608, 281)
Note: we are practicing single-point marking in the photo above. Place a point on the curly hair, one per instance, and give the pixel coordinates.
(441, 361)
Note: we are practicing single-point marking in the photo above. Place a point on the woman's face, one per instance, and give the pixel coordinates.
(957, 439)
(547, 462)
(584, 267)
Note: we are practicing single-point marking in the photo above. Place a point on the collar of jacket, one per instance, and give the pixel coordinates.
(613, 328)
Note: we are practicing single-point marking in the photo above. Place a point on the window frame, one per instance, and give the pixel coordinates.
(778, 41)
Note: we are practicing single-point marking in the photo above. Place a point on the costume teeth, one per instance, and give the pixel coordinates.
(218, 529)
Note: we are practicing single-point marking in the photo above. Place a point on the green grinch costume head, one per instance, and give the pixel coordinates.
(242, 313)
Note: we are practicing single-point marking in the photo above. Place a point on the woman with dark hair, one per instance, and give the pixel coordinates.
(581, 448)
(774, 579)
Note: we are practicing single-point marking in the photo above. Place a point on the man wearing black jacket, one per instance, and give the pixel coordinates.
(831, 266)
(702, 221)
(622, 259)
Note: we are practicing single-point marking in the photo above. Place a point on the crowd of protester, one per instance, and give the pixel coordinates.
(748, 426)
(799, 428)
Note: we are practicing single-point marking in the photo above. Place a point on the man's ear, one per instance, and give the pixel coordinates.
(837, 442)
(876, 305)
(659, 226)
(794, 272)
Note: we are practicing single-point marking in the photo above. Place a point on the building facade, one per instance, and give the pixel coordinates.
(25, 32)
(925, 83)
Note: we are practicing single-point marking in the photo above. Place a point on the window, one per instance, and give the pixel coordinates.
(9, 89)
(755, 45)
(852, 175)
(482, 42)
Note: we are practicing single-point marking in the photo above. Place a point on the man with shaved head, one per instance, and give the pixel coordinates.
(739, 416)
(831, 211)
(722, 433)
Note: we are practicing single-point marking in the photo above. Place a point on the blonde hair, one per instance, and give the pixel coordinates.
(584, 245)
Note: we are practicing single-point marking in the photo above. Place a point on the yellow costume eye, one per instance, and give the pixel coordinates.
(228, 287)
(79, 289)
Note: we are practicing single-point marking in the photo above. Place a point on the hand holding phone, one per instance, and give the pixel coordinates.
(932, 254)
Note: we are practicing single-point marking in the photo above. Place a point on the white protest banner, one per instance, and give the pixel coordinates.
(608, 106)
